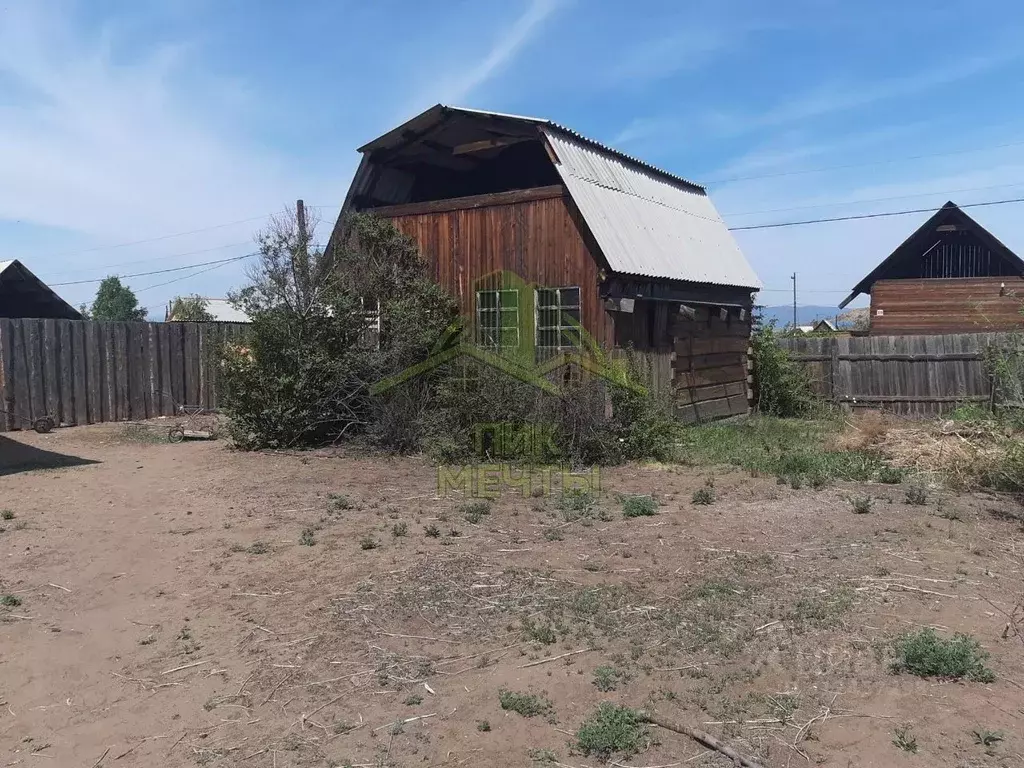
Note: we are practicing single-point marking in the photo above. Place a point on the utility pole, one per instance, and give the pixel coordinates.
(794, 301)
(300, 220)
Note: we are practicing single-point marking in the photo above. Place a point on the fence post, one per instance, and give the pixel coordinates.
(833, 366)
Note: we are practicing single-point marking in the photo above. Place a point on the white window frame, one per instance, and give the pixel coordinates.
(575, 325)
(498, 311)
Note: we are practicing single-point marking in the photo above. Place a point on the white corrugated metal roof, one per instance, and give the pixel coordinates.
(223, 311)
(643, 223)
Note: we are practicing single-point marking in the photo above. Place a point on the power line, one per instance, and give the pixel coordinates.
(866, 163)
(160, 271)
(158, 238)
(879, 215)
(943, 193)
(161, 258)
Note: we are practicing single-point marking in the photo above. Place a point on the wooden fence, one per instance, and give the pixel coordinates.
(84, 372)
(914, 375)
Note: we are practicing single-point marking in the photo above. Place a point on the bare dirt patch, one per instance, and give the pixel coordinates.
(188, 605)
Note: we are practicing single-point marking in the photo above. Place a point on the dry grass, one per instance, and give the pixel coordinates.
(865, 430)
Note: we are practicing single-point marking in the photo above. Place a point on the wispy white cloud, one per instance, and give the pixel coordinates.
(829, 98)
(457, 86)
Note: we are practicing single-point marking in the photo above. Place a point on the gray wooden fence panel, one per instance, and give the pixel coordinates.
(916, 375)
(85, 372)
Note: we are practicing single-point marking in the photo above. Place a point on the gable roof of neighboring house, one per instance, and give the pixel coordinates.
(222, 311)
(917, 246)
(22, 294)
(646, 221)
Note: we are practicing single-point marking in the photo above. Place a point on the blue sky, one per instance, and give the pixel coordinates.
(123, 121)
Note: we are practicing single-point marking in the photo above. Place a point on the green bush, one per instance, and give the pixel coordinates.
(613, 729)
(890, 475)
(781, 386)
(704, 496)
(526, 704)
(925, 654)
(639, 506)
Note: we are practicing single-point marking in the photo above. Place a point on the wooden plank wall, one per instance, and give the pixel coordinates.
(700, 362)
(84, 372)
(528, 232)
(951, 305)
(923, 375)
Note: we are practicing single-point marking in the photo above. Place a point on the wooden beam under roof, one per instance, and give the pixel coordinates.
(485, 144)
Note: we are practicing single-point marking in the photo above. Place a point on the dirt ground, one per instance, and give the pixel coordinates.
(181, 605)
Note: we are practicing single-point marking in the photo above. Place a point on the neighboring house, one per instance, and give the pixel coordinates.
(950, 276)
(221, 310)
(635, 255)
(824, 326)
(22, 294)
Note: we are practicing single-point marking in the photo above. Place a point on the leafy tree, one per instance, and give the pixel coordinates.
(115, 301)
(189, 309)
(313, 349)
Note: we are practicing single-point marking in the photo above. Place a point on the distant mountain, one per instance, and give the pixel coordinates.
(804, 315)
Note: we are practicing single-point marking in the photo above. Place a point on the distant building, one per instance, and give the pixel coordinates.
(950, 276)
(22, 294)
(824, 326)
(221, 310)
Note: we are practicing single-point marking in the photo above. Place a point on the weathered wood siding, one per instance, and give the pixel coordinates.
(83, 372)
(700, 362)
(915, 375)
(530, 233)
(954, 305)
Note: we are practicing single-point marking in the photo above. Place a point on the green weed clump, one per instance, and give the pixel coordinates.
(613, 729)
(861, 504)
(639, 506)
(475, 511)
(925, 654)
(526, 704)
(916, 495)
(704, 496)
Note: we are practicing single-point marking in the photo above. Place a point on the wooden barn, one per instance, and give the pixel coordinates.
(638, 256)
(950, 276)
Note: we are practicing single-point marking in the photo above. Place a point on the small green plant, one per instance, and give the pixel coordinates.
(925, 654)
(576, 503)
(987, 738)
(553, 534)
(7, 514)
(432, 531)
(339, 501)
(308, 537)
(861, 504)
(613, 729)
(817, 480)
(704, 496)
(413, 700)
(400, 529)
(368, 542)
(916, 495)
(607, 678)
(540, 633)
(890, 475)
(526, 704)
(904, 739)
(10, 601)
(483, 726)
(475, 511)
(639, 506)
(258, 548)
(796, 482)
(543, 757)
